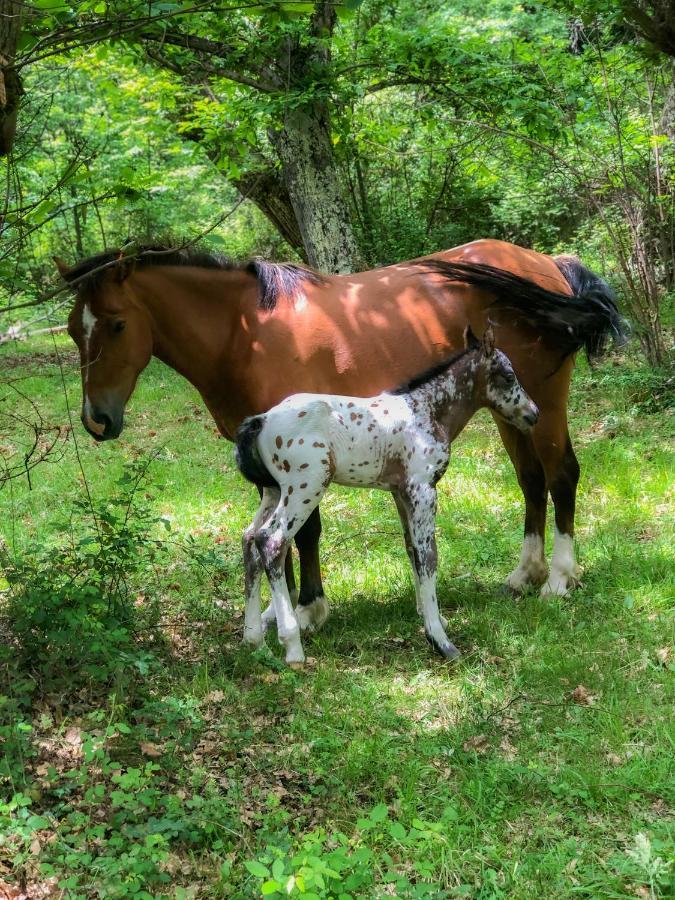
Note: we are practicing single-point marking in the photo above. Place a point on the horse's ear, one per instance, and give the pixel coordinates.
(61, 265)
(470, 339)
(124, 268)
(489, 341)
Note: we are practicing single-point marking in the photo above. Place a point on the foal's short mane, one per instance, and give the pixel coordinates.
(426, 376)
(275, 280)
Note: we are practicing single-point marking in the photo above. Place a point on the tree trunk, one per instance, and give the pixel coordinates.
(10, 83)
(309, 171)
(268, 192)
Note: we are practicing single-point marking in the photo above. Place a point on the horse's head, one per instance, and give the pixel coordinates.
(114, 336)
(502, 392)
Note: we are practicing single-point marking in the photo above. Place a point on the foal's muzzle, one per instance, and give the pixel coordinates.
(532, 416)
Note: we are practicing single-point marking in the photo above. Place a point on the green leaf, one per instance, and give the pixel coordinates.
(270, 887)
(379, 813)
(257, 868)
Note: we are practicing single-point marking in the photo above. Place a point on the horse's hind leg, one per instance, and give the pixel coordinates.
(532, 569)
(562, 476)
(312, 609)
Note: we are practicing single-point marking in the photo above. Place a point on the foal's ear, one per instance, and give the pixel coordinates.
(489, 341)
(470, 339)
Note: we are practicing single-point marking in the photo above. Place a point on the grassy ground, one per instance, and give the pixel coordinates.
(148, 755)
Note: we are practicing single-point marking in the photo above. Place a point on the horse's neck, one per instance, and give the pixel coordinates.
(194, 315)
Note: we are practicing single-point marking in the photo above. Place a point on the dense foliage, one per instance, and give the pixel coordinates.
(409, 127)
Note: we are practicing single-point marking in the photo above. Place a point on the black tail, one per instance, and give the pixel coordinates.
(586, 319)
(246, 453)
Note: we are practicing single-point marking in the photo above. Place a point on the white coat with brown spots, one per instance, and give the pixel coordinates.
(398, 442)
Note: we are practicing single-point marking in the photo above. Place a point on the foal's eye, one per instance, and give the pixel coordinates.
(118, 326)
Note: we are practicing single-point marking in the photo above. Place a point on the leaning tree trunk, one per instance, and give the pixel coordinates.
(267, 190)
(10, 83)
(309, 171)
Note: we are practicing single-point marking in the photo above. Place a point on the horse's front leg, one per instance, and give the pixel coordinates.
(562, 476)
(418, 503)
(531, 570)
(312, 609)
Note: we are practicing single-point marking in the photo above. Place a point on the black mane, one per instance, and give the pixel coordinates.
(426, 376)
(274, 279)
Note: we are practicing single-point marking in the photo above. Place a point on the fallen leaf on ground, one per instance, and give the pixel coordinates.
(215, 697)
(664, 654)
(73, 736)
(150, 749)
(582, 696)
(478, 743)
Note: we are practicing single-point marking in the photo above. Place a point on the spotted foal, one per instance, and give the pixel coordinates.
(397, 441)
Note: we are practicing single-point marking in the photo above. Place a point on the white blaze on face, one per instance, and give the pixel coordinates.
(88, 323)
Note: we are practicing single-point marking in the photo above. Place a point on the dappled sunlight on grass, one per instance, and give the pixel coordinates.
(533, 754)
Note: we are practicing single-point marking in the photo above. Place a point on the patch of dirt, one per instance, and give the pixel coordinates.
(38, 359)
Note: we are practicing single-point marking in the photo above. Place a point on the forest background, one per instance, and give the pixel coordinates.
(142, 752)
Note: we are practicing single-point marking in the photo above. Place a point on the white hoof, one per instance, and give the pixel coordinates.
(253, 638)
(312, 617)
(295, 655)
(560, 584)
(532, 569)
(525, 577)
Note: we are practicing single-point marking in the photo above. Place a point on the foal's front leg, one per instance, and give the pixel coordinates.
(418, 505)
(403, 516)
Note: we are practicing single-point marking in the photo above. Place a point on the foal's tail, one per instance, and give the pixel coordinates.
(247, 455)
(586, 319)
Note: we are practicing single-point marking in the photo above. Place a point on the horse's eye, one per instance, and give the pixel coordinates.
(118, 326)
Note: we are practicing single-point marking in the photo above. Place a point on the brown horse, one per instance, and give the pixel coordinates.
(248, 335)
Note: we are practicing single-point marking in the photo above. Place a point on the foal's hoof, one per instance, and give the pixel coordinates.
(445, 648)
(254, 640)
(296, 666)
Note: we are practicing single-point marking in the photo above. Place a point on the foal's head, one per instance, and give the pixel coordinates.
(501, 391)
(114, 336)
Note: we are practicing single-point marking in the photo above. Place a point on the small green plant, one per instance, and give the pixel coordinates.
(69, 603)
(331, 865)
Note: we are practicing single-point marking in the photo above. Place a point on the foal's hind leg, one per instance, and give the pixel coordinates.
(253, 569)
(532, 569)
(273, 540)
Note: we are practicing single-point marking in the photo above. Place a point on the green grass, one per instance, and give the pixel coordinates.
(191, 767)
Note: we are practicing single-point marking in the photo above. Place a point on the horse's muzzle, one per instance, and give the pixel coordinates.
(102, 426)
